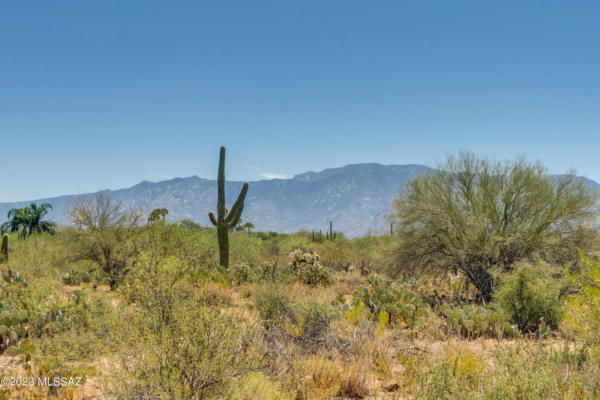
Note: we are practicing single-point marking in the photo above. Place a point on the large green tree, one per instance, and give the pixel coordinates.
(473, 215)
(29, 219)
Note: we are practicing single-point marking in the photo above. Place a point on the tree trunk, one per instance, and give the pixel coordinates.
(482, 280)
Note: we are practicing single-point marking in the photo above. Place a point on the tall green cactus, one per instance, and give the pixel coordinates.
(226, 219)
(4, 250)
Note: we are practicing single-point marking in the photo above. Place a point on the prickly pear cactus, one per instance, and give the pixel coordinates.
(12, 325)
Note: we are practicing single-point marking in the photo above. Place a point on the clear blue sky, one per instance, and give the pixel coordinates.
(104, 94)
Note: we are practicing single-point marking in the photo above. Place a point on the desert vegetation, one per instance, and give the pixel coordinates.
(485, 286)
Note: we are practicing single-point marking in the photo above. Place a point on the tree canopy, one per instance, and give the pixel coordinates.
(473, 214)
(29, 220)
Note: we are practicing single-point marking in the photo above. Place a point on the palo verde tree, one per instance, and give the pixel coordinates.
(473, 215)
(28, 220)
(226, 219)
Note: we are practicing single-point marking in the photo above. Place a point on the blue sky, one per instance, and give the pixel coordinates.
(98, 95)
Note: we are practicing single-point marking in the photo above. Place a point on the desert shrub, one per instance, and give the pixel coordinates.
(583, 299)
(40, 256)
(269, 235)
(358, 315)
(256, 385)
(530, 296)
(354, 382)
(473, 321)
(527, 372)
(315, 319)
(192, 356)
(243, 272)
(315, 274)
(314, 379)
(155, 284)
(293, 242)
(274, 304)
(213, 295)
(334, 254)
(245, 248)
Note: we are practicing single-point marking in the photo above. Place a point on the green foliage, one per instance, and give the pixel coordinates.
(526, 372)
(226, 220)
(243, 272)
(158, 214)
(29, 220)
(4, 249)
(274, 304)
(357, 315)
(315, 319)
(475, 321)
(192, 356)
(473, 215)
(583, 299)
(105, 233)
(315, 274)
(530, 296)
(255, 386)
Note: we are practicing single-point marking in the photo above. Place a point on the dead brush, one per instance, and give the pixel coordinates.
(354, 382)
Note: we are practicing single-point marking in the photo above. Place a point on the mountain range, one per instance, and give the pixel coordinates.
(356, 198)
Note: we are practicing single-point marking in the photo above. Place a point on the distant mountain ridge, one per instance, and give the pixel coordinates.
(357, 198)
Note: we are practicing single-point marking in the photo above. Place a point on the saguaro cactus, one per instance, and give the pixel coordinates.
(226, 219)
(330, 230)
(4, 250)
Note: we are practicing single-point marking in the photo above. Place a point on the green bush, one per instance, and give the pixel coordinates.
(583, 300)
(192, 356)
(529, 295)
(257, 386)
(274, 304)
(315, 319)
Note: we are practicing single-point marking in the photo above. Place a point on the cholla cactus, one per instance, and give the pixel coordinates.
(301, 259)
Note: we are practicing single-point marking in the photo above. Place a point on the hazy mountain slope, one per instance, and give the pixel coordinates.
(355, 197)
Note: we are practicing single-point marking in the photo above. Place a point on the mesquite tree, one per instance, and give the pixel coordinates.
(226, 219)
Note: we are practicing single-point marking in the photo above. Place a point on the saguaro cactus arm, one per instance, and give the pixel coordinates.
(233, 217)
(212, 218)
